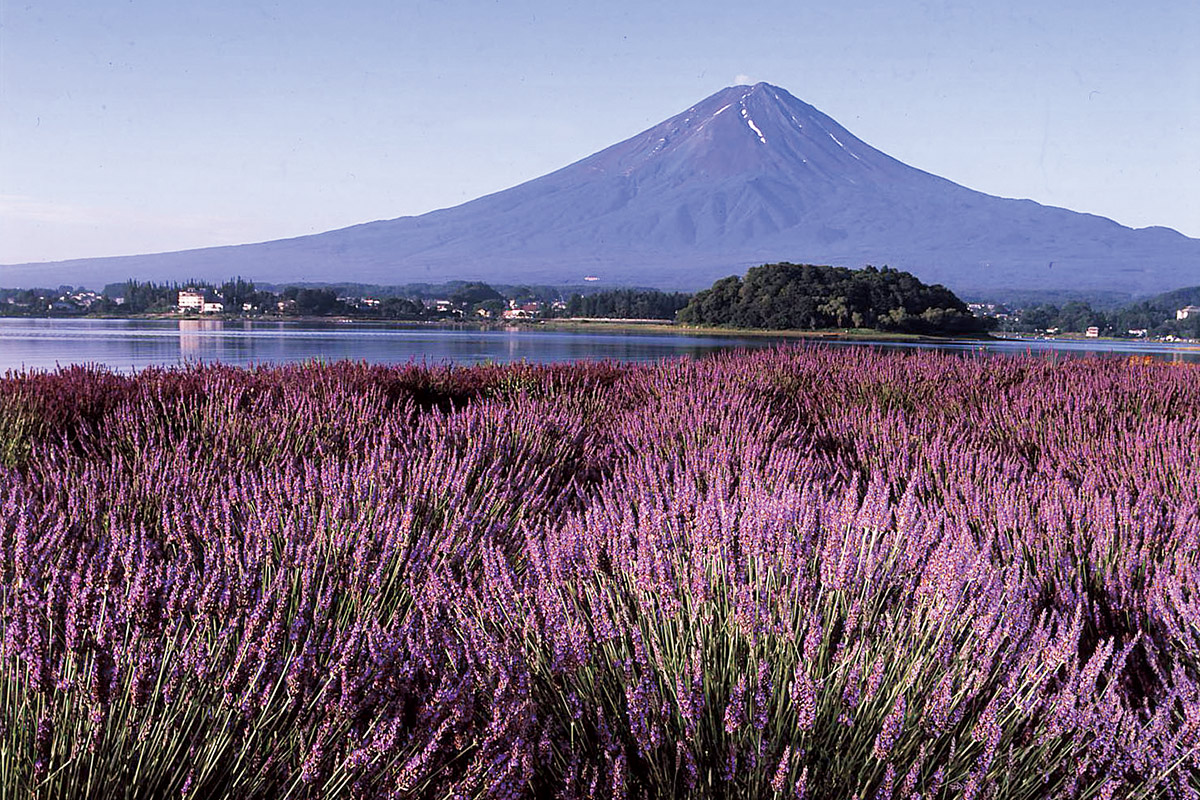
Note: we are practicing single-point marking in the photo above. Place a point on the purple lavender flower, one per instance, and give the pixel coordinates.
(893, 724)
(804, 700)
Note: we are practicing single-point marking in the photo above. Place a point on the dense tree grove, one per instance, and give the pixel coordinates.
(237, 293)
(807, 297)
(402, 308)
(313, 301)
(628, 304)
(475, 293)
(146, 296)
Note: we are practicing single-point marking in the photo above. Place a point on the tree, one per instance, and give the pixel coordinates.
(714, 306)
(628, 304)
(838, 308)
(806, 297)
(401, 308)
(494, 308)
(313, 301)
(471, 294)
(236, 293)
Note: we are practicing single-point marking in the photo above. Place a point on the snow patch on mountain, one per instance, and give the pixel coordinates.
(753, 127)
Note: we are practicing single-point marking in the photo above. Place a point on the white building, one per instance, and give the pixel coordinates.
(190, 301)
(1092, 332)
(1187, 312)
(85, 299)
(212, 308)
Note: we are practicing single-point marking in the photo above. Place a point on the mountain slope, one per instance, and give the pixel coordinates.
(747, 176)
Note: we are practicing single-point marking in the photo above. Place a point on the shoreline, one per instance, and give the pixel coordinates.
(625, 326)
(824, 334)
(590, 325)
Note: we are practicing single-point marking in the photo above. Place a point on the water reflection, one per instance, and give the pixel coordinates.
(128, 345)
(193, 344)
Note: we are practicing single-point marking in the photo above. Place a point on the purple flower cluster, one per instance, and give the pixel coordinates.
(797, 572)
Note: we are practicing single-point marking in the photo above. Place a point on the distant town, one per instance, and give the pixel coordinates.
(455, 301)
(1167, 318)
(1173, 316)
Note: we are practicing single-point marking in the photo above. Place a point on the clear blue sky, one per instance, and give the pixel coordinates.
(132, 126)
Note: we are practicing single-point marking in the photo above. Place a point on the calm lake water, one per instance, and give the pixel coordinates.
(127, 345)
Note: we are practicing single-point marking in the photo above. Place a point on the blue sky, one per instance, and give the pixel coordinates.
(134, 126)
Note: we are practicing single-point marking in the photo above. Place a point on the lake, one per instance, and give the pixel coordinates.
(128, 345)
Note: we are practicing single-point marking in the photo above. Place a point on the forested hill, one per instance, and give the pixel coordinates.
(807, 297)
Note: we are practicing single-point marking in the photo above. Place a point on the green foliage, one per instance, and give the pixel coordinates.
(236, 293)
(807, 297)
(18, 428)
(1155, 315)
(1178, 298)
(473, 293)
(151, 297)
(313, 301)
(628, 304)
(401, 308)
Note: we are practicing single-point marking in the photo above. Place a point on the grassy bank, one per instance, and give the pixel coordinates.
(849, 334)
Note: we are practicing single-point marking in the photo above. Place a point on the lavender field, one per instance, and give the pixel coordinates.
(794, 573)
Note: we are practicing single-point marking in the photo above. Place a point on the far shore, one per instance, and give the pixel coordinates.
(581, 325)
(626, 326)
(662, 326)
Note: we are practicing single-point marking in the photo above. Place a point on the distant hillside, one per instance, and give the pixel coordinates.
(1176, 299)
(1023, 298)
(747, 176)
(1026, 298)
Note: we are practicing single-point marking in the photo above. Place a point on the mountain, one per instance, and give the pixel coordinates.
(749, 175)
